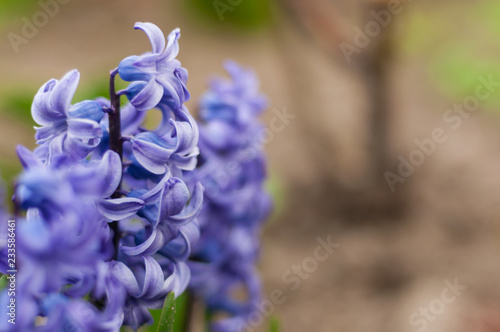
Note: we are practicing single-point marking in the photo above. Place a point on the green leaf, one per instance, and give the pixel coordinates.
(180, 315)
(274, 325)
(181, 306)
(3, 281)
(168, 314)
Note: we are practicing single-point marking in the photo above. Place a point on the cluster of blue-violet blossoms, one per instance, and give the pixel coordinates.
(106, 220)
(232, 169)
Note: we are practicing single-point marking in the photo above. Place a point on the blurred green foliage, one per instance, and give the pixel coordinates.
(14, 107)
(17, 104)
(460, 42)
(276, 189)
(8, 171)
(231, 14)
(274, 324)
(15, 8)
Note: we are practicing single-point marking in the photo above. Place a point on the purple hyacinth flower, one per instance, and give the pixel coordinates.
(176, 147)
(157, 73)
(146, 282)
(66, 314)
(104, 236)
(171, 230)
(65, 129)
(94, 179)
(235, 202)
(237, 100)
(64, 242)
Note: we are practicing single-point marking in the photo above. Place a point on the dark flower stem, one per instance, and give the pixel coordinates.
(115, 144)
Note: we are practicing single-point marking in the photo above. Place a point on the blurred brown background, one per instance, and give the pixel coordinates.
(354, 121)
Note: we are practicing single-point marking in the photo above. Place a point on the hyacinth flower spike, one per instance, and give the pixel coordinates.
(112, 215)
(236, 204)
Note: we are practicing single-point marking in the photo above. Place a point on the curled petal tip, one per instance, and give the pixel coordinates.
(154, 34)
(63, 92)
